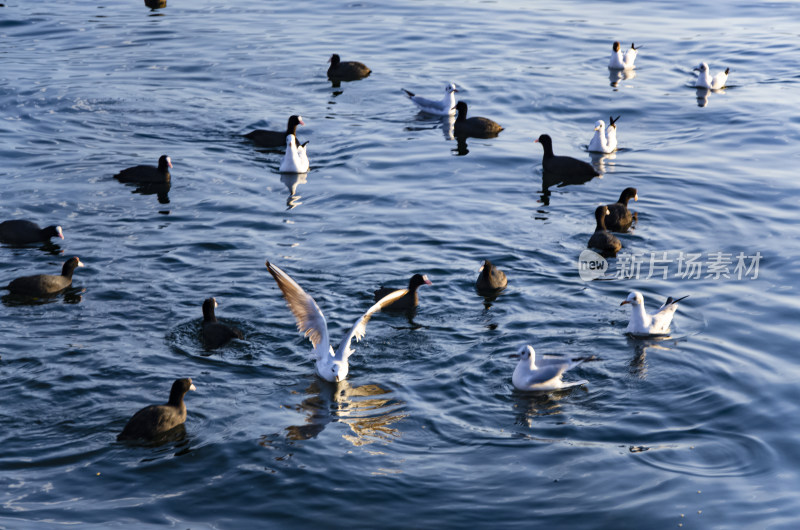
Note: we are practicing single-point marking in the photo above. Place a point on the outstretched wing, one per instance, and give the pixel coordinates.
(310, 320)
(360, 327)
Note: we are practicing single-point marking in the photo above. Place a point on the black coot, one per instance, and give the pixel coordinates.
(266, 138)
(475, 127)
(602, 240)
(45, 284)
(147, 174)
(408, 301)
(346, 70)
(565, 167)
(491, 280)
(215, 333)
(21, 232)
(619, 218)
(152, 421)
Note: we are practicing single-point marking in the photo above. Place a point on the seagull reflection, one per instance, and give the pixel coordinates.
(368, 410)
(599, 160)
(615, 76)
(531, 405)
(638, 364)
(448, 124)
(445, 123)
(291, 180)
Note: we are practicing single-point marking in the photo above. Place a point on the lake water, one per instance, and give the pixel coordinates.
(696, 431)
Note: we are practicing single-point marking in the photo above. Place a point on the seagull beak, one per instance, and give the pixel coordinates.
(624, 302)
(513, 356)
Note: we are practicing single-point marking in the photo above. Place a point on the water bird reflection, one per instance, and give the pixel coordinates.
(530, 406)
(615, 76)
(369, 411)
(291, 180)
(599, 162)
(70, 295)
(703, 93)
(638, 365)
(161, 191)
(155, 4)
(550, 179)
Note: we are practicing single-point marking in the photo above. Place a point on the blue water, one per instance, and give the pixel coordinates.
(696, 430)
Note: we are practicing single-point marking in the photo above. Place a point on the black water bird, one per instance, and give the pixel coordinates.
(266, 138)
(565, 167)
(491, 280)
(619, 218)
(21, 232)
(346, 70)
(215, 333)
(155, 420)
(147, 174)
(475, 127)
(45, 284)
(410, 299)
(602, 240)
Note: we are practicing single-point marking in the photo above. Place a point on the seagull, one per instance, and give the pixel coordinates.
(331, 365)
(542, 375)
(604, 140)
(619, 62)
(445, 107)
(644, 325)
(704, 79)
(295, 160)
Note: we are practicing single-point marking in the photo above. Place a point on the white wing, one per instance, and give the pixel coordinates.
(360, 327)
(630, 57)
(310, 320)
(660, 322)
(719, 80)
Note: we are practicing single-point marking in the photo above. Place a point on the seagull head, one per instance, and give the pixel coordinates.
(451, 87)
(634, 298)
(702, 67)
(338, 371)
(526, 352)
(599, 125)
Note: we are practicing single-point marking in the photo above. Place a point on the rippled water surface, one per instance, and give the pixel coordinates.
(697, 430)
